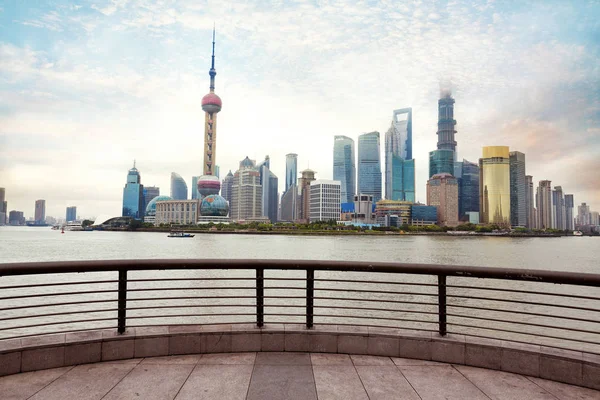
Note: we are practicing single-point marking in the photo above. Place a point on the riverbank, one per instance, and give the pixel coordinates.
(342, 232)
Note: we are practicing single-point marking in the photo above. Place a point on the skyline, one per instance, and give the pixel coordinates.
(84, 92)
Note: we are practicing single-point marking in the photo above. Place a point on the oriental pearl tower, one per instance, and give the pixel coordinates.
(208, 184)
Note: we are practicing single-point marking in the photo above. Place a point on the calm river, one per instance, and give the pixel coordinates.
(386, 305)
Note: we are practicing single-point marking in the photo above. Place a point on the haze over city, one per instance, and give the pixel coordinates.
(87, 87)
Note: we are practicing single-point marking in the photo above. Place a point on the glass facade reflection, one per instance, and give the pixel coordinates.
(291, 170)
(495, 185)
(399, 165)
(369, 165)
(133, 195)
(441, 162)
(467, 174)
(402, 182)
(179, 190)
(344, 167)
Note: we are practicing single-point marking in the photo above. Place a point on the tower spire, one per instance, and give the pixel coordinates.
(212, 71)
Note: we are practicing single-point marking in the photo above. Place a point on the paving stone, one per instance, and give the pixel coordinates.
(191, 359)
(151, 382)
(383, 346)
(413, 362)
(187, 344)
(223, 382)
(90, 381)
(22, 386)
(371, 360)
(272, 342)
(296, 341)
(84, 353)
(10, 363)
(151, 347)
(43, 358)
(521, 362)
(282, 382)
(385, 382)
(564, 391)
(228, 359)
(504, 385)
(559, 369)
(483, 356)
(282, 358)
(338, 382)
(413, 348)
(323, 343)
(218, 343)
(117, 349)
(330, 359)
(448, 352)
(591, 376)
(350, 344)
(441, 382)
(246, 342)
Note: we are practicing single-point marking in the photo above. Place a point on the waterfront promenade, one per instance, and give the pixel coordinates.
(277, 375)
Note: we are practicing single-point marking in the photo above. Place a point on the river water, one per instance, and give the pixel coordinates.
(576, 254)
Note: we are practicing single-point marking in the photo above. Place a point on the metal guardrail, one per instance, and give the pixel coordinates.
(554, 309)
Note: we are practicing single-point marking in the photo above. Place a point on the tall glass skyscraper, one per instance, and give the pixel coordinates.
(441, 162)
(467, 174)
(344, 167)
(494, 186)
(133, 195)
(399, 165)
(569, 204)
(446, 123)
(291, 170)
(270, 196)
(194, 189)
(179, 189)
(518, 190)
(369, 165)
(543, 201)
(71, 213)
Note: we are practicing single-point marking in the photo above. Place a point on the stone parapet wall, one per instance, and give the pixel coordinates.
(52, 351)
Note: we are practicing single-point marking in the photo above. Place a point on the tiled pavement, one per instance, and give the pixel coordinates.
(281, 376)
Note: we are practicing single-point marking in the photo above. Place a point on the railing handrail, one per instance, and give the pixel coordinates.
(530, 275)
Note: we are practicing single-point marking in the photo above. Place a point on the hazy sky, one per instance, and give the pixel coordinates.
(86, 87)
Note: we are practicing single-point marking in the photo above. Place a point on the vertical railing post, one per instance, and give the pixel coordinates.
(442, 304)
(260, 297)
(122, 303)
(310, 293)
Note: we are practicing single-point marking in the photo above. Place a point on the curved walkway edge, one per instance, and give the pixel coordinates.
(63, 350)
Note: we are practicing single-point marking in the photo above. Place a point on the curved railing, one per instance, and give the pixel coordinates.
(559, 310)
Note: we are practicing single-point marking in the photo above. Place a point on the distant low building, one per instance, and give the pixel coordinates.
(442, 192)
(393, 212)
(16, 218)
(421, 215)
(184, 212)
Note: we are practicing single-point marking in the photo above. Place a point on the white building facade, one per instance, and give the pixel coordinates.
(184, 212)
(325, 200)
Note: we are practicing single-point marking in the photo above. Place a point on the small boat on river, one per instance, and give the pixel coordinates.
(180, 234)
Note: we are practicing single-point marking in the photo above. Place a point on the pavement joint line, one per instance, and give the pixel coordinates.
(124, 376)
(186, 379)
(50, 383)
(404, 376)
(312, 369)
(471, 382)
(544, 389)
(359, 378)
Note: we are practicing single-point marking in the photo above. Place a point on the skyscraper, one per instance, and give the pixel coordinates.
(291, 170)
(529, 203)
(569, 204)
(133, 195)
(544, 205)
(369, 165)
(442, 192)
(270, 196)
(467, 174)
(518, 190)
(494, 186)
(3, 206)
(558, 208)
(150, 192)
(226, 187)
(344, 167)
(246, 190)
(179, 190)
(446, 123)
(194, 188)
(583, 214)
(325, 200)
(303, 200)
(40, 211)
(71, 213)
(399, 165)
(441, 162)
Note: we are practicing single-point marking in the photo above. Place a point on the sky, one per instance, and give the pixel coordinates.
(88, 86)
